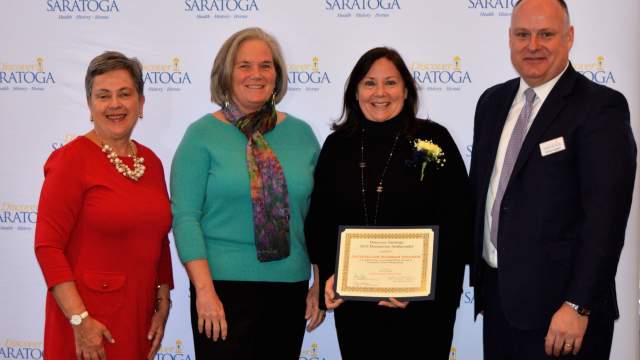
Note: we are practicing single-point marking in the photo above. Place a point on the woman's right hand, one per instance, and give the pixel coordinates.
(330, 295)
(88, 337)
(211, 317)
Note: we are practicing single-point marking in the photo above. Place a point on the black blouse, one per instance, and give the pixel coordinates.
(441, 198)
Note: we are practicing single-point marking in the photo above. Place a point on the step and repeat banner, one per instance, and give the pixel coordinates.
(454, 48)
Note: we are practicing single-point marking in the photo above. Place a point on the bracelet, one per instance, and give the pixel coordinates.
(164, 298)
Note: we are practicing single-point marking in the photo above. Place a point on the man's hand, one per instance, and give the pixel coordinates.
(566, 332)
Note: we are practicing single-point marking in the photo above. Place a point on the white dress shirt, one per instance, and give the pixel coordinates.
(489, 252)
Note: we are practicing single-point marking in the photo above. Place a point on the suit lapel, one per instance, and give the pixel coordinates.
(547, 114)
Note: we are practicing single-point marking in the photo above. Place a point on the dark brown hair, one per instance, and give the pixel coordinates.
(352, 115)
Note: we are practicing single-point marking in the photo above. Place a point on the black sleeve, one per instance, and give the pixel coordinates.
(454, 201)
(320, 224)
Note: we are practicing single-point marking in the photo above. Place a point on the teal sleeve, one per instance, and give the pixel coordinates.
(313, 140)
(189, 176)
(316, 146)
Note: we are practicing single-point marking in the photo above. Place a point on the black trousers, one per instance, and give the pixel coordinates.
(503, 341)
(423, 330)
(265, 321)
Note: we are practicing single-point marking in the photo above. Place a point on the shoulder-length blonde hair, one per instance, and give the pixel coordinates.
(224, 61)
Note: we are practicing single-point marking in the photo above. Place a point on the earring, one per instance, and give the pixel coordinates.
(405, 95)
(226, 101)
(273, 98)
(356, 97)
(140, 116)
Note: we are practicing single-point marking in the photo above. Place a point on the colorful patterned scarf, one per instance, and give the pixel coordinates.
(269, 192)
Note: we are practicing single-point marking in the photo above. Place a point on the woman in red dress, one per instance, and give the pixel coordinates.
(101, 235)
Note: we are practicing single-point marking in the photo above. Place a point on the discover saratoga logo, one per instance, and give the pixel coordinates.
(26, 77)
(173, 352)
(21, 349)
(221, 9)
(596, 71)
(362, 8)
(438, 77)
(17, 216)
(83, 9)
(312, 353)
(166, 77)
(489, 8)
(308, 77)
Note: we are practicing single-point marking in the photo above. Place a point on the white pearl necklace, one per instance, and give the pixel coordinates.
(122, 168)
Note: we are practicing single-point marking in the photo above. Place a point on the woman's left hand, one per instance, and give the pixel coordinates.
(159, 320)
(156, 332)
(394, 303)
(313, 314)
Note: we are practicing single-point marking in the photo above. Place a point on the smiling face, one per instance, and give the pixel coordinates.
(254, 76)
(381, 92)
(115, 105)
(540, 38)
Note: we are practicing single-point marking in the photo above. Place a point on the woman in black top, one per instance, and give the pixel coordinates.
(378, 127)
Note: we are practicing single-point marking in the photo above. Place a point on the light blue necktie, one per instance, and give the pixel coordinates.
(510, 157)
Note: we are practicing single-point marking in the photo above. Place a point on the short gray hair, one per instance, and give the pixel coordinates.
(110, 61)
(224, 61)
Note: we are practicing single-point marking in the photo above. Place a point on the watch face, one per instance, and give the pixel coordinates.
(76, 320)
(583, 311)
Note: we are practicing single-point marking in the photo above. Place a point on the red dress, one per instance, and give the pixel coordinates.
(107, 233)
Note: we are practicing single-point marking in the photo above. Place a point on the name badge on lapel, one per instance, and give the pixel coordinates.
(552, 146)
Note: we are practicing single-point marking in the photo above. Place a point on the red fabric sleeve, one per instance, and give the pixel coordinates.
(165, 270)
(60, 202)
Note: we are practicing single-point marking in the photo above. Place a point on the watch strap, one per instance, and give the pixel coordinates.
(579, 309)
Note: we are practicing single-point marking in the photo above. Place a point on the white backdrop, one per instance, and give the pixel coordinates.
(455, 48)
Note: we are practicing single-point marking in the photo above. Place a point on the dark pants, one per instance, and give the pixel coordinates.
(503, 341)
(265, 321)
(421, 331)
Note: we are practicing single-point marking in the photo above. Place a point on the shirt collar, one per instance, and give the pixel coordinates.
(542, 91)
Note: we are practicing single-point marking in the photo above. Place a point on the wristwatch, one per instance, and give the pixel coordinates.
(579, 309)
(77, 318)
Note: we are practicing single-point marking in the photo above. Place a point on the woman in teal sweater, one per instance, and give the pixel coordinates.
(240, 185)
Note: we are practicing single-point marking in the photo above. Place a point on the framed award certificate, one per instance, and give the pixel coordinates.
(376, 263)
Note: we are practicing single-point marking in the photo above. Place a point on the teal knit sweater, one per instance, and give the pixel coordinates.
(211, 200)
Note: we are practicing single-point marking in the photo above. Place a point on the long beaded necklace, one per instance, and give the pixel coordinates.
(122, 168)
(379, 188)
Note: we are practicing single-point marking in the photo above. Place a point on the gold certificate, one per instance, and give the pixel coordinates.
(376, 263)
